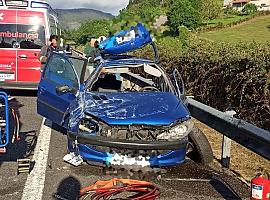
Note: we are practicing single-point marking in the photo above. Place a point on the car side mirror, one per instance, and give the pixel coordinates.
(63, 89)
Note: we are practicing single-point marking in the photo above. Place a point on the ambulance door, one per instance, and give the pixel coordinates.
(31, 38)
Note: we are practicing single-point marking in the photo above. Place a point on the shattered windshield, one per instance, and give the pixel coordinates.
(22, 36)
(133, 78)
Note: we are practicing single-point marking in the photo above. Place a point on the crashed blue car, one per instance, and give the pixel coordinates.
(120, 111)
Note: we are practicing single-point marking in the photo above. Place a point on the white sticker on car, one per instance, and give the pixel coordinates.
(4, 76)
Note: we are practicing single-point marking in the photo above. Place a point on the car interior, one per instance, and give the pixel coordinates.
(130, 79)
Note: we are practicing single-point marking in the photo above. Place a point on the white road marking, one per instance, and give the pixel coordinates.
(34, 185)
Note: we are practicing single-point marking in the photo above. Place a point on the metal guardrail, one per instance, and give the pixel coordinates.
(242, 132)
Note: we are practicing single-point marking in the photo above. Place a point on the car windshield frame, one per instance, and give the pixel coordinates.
(93, 77)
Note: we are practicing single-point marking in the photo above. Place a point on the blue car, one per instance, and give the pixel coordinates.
(123, 110)
(120, 110)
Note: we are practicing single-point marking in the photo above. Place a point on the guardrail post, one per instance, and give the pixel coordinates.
(226, 152)
(226, 146)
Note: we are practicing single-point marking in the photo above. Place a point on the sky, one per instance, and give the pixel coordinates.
(109, 6)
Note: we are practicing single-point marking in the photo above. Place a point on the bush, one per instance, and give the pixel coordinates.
(230, 11)
(183, 35)
(249, 9)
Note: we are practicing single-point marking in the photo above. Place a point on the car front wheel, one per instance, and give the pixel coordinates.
(199, 148)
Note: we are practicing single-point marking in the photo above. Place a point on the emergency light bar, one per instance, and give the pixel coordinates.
(28, 4)
(44, 5)
(35, 4)
(17, 3)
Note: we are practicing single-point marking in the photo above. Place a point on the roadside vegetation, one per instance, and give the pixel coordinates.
(227, 68)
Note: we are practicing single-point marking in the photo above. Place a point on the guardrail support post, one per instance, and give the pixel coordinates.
(226, 146)
(226, 152)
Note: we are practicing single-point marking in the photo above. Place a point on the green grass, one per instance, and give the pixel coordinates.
(257, 29)
(226, 20)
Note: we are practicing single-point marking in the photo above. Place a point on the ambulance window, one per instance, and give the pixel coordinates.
(1, 3)
(21, 36)
(7, 35)
(35, 38)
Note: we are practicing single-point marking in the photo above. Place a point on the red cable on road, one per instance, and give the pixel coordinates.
(107, 189)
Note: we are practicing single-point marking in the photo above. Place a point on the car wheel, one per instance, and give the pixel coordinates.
(199, 149)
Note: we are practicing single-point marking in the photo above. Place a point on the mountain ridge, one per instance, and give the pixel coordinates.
(73, 18)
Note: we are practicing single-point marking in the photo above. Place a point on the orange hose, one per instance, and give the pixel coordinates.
(108, 188)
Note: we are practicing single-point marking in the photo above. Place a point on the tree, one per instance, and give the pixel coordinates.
(143, 8)
(249, 9)
(93, 28)
(210, 9)
(184, 12)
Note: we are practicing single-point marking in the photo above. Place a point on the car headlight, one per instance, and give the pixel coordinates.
(177, 132)
(88, 126)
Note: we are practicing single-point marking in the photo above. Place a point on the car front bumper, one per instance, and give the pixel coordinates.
(176, 150)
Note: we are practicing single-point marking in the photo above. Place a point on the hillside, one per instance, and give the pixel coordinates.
(257, 29)
(73, 18)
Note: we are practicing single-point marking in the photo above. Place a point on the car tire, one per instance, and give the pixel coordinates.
(201, 149)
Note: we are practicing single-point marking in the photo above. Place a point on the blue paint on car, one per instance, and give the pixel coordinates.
(66, 97)
(150, 108)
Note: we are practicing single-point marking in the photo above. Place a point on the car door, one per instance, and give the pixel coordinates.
(58, 72)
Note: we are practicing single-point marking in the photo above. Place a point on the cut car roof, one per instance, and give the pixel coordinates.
(124, 61)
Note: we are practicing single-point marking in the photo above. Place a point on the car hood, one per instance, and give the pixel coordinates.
(147, 108)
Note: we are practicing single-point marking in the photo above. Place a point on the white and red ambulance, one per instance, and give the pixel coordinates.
(25, 26)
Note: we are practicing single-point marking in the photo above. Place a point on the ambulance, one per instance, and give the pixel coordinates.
(25, 26)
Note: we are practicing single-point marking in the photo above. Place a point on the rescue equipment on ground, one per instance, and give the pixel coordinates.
(9, 123)
(260, 187)
(23, 166)
(4, 122)
(106, 189)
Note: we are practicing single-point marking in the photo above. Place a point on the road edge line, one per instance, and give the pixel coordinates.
(34, 184)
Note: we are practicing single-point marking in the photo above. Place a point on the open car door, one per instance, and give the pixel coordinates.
(58, 86)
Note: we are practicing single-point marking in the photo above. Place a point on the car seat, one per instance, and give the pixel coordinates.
(109, 83)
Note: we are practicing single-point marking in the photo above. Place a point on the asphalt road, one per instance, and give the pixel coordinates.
(51, 177)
